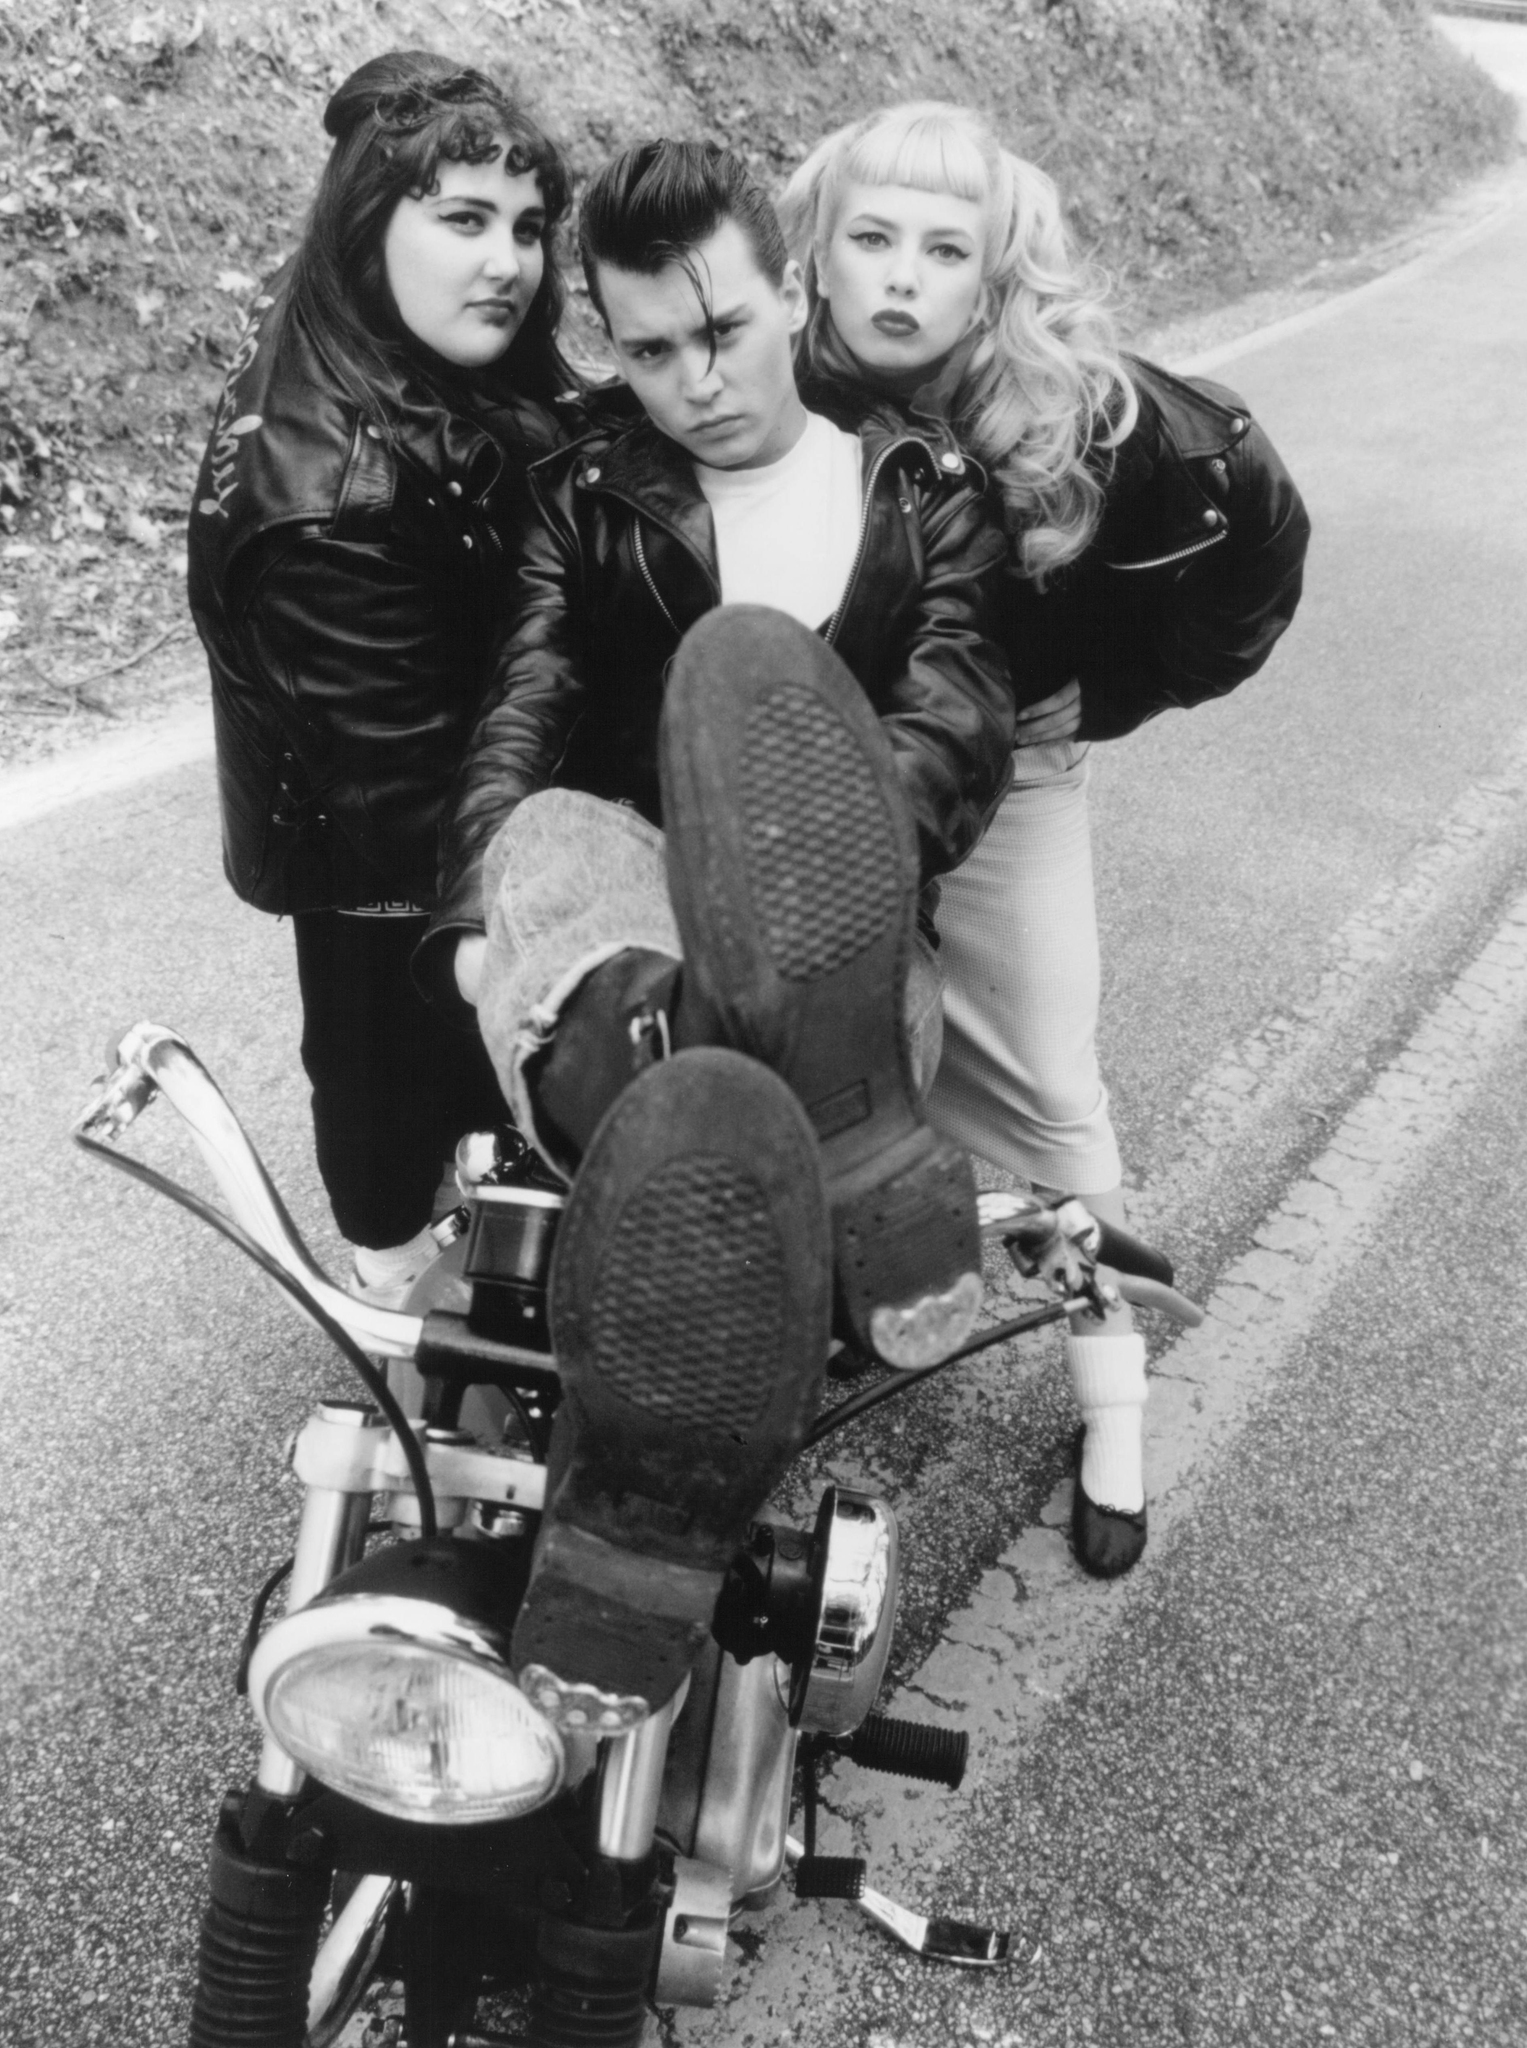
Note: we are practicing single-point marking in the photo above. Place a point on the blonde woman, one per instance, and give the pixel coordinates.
(1155, 549)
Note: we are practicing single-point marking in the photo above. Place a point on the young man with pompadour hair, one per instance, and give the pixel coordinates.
(747, 710)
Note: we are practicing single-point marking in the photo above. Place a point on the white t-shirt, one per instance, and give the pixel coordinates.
(787, 534)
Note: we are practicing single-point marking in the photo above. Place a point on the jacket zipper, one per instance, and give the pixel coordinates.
(641, 563)
(831, 633)
(1164, 561)
(834, 622)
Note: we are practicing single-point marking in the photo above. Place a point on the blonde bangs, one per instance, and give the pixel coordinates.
(925, 146)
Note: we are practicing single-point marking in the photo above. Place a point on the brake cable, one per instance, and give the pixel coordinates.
(375, 1381)
(908, 1376)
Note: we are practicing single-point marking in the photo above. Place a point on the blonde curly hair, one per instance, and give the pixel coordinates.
(1044, 399)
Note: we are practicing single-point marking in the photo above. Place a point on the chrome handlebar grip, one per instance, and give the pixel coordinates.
(153, 1059)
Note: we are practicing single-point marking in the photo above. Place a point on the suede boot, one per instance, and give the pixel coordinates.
(615, 1024)
(793, 873)
(690, 1296)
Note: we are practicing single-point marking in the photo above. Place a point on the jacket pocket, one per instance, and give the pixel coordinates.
(275, 843)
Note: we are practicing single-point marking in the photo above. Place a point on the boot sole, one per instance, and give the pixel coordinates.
(690, 1300)
(792, 868)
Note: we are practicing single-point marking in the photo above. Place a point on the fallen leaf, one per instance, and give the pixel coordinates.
(236, 282)
(149, 305)
(143, 531)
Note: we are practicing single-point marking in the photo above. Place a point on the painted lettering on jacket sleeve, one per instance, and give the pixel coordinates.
(230, 425)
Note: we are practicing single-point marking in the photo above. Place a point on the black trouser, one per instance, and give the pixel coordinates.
(394, 1086)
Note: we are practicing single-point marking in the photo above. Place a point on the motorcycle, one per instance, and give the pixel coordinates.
(415, 1812)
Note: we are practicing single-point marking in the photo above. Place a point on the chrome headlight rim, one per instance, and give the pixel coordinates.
(855, 1591)
(396, 1621)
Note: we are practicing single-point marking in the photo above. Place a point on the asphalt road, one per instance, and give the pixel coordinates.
(1272, 1787)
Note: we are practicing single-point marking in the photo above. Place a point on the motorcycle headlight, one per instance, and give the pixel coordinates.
(408, 1709)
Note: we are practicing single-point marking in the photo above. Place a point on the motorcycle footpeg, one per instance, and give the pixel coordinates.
(831, 1877)
(908, 1749)
(960, 1942)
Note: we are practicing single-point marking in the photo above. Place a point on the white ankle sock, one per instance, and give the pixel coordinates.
(395, 1265)
(1108, 1374)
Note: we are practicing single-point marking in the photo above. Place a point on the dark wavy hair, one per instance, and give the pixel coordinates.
(394, 122)
(654, 203)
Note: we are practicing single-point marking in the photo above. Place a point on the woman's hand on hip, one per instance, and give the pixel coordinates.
(1058, 717)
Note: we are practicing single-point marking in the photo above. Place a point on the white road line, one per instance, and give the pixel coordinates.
(1252, 1106)
(1275, 1067)
(102, 766)
(1036, 1625)
(1340, 302)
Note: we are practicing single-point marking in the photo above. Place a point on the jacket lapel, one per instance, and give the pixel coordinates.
(656, 479)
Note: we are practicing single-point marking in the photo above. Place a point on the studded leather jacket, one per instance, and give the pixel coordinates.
(621, 561)
(1192, 577)
(348, 585)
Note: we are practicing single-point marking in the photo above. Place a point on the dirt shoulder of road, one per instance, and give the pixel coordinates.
(1231, 164)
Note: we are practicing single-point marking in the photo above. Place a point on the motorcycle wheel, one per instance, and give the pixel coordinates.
(257, 1971)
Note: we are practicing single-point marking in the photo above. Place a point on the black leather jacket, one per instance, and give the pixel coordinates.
(621, 562)
(1194, 573)
(348, 590)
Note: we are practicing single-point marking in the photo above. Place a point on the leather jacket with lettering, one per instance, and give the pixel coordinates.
(1192, 576)
(347, 581)
(620, 560)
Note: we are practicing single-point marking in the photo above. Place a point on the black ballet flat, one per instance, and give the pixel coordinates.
(1107, 1541)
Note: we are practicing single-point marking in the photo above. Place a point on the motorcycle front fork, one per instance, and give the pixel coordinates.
(330, 1538)
(631, 1783)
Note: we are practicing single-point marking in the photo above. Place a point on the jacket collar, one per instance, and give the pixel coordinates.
(882, 425)
(282, 439)
(642, 466)
(1198, 419)
(655, 476)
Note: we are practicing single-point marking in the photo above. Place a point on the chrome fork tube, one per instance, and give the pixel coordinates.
(330, 1537)
(631, 1783)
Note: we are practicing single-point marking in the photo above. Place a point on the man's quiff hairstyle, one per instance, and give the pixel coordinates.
(658, 200)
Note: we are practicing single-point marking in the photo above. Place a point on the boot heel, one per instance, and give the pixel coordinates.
(916, 1222)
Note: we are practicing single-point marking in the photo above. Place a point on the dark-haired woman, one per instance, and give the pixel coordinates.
(347, 569)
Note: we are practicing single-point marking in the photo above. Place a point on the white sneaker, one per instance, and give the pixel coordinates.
(384, 1278)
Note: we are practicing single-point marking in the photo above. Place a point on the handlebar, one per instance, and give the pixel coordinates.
(1081, 1259)
(1065, 1245)
(152, 1060)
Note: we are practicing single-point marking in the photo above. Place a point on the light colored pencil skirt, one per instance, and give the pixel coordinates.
(1019, 1082)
